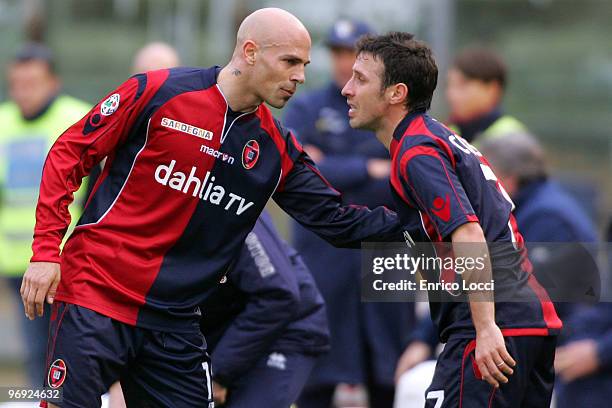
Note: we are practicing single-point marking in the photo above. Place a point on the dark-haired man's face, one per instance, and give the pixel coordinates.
(470, 98)
(31, 85)
(364, 94)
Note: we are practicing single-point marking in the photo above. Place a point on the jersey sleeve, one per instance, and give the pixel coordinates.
(74, 154)
(429, 179)
(309, 198)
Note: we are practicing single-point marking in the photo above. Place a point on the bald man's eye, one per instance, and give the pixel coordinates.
(293, 61)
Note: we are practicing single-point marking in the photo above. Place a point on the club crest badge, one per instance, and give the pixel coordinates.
(250, 154)
(57, 373)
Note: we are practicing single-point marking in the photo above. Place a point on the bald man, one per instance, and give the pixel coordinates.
(155, 55)
(193, 157)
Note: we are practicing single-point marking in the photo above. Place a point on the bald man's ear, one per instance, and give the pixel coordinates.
(249, 52)
(398, 93)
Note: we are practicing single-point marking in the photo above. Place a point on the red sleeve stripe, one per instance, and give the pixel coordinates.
(432, 152)
(419, 127)
(268, 125)
(318, 173)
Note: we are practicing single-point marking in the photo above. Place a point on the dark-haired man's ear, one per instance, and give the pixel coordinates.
(399, 94)
(249, 50)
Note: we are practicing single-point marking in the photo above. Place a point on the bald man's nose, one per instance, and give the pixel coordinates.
(299, 76)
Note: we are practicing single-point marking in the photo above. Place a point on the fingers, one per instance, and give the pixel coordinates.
(38, 297)
(494, 370)
(562, 359)
(505, 368)
(484, 372)
(504, 364)
(497, 366)
(53, 289)
(34, 297)
(507, 358)
(25, 290)
(30, 303)
(39, 302)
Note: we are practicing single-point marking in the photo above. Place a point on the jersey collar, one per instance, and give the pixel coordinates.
(401, 128)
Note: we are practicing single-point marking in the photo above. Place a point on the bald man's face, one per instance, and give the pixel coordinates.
(279, 68)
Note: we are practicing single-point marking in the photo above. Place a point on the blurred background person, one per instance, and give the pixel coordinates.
(476, 83)
(477, 80)
(551, 221)
(366, 338)
(153, 56)
(584, 363)
(265, 324)
(556, 228)
(36, 114)
(545, 212)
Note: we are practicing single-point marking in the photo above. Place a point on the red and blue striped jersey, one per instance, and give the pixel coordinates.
(184, 182)
(440, 182)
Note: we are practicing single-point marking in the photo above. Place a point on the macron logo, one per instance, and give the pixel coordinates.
(205, 189)
(441, 208)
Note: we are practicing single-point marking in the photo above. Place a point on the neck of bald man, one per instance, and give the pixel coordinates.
(233, 82)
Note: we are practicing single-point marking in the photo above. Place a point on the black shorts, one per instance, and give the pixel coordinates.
(457, 382)
(87, 352)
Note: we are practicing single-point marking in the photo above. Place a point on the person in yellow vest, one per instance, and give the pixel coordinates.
(476, 83)
(36, 114)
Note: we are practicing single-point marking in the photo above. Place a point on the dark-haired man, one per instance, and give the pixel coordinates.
(446, 193)
(367, 338)
(475, 88)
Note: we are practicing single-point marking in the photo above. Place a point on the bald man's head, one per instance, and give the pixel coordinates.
(156, 55)
(269, 27)
(271, 53)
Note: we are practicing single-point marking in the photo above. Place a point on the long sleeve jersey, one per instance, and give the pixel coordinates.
(440, 182)
(184, 182)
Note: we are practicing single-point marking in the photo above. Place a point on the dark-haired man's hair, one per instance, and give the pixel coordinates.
(407, 61)
(481, 64)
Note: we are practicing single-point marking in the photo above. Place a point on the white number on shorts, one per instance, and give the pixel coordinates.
(438, 396)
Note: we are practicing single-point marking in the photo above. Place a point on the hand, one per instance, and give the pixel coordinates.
(39, 282)
(219, 393)
(415, 353)
(492, 358)
(577, 359)
(379, 168)
(314, 152)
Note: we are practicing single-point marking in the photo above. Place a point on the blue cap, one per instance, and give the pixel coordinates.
(345, 33)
